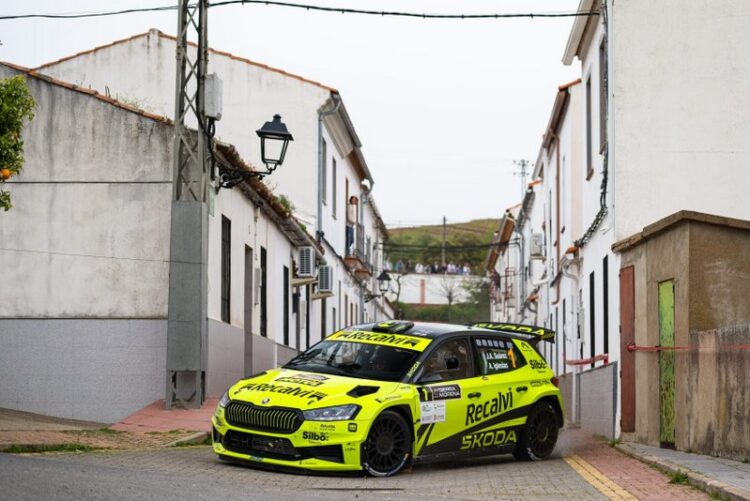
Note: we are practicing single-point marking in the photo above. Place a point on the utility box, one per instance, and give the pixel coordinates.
(214, 96)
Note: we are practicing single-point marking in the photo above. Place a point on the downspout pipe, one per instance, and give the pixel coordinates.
(321, 162)
(574, 277)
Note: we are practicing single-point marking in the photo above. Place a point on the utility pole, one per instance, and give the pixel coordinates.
(522, 173)
(187, 323)
(442, 260)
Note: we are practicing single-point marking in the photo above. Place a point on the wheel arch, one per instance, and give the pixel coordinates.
(405, 412)
(555, 403)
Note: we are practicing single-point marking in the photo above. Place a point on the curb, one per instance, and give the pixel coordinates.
(699, 480)
(194, 439)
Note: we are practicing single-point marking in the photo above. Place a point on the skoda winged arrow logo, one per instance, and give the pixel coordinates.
(265, 400)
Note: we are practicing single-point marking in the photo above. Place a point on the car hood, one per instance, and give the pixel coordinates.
(306, 390)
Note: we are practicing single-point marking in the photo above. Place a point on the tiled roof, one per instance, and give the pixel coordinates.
(212, 51)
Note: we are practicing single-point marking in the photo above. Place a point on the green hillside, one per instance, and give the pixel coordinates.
(465, 243)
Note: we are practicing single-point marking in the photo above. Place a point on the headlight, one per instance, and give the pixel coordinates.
(224, 400)
(338, 413)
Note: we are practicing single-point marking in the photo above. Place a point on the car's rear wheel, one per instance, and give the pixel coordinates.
(538, 438)
(388, 445)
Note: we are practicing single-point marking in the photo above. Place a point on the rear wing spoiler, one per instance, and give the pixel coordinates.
(531, 333)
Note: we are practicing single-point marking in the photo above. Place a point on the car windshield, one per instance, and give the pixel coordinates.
(360, 360)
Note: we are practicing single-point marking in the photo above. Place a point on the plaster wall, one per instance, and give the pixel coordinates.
(681, 110)
(436, 288)
(91, 369)
(89, 232)
(142, 70)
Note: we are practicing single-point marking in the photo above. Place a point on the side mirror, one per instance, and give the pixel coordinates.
(451, 363)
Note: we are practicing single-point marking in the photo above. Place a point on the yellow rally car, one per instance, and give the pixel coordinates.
(376, 397)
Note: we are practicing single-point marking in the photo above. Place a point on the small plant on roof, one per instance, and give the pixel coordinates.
(16, 105)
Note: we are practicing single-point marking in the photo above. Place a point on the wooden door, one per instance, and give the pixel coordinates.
(666, 364)
(627, 336)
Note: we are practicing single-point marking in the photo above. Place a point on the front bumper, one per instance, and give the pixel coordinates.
(315, 445)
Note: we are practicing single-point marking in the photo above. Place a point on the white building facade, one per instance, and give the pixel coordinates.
(324, 177)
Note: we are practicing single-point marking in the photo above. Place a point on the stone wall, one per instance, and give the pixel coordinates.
(719, 406)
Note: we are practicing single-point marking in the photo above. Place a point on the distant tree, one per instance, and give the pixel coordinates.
(449, 289)
(16, 105)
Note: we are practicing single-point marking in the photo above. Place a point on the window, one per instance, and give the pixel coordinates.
(334, 195)
(286, 305)
(602, 95)
(497, 356)
(263, 292)
(592, 316)
(323, 170)
(323, 320)
(589, 166)
(226, 266)
(451, 360)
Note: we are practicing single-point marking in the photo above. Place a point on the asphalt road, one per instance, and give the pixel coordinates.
(195, 473)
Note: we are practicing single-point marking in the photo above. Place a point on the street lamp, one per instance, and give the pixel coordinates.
(383, 286)
(384, 282)
(274, 139)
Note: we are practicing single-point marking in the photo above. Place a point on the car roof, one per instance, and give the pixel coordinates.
(432, 330)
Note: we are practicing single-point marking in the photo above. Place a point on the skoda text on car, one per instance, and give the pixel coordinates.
(378, 397)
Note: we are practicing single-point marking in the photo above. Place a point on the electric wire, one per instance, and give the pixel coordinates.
(309, 7)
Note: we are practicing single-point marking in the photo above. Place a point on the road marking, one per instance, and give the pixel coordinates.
(597, 479)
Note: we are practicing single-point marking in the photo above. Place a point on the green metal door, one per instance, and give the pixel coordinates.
(666, 363)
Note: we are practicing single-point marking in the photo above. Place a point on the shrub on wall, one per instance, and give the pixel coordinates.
(16, 105)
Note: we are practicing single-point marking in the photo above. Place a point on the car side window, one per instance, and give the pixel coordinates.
(497, 356)
(451, 360)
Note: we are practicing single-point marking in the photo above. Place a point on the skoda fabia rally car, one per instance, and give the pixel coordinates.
(378, 397)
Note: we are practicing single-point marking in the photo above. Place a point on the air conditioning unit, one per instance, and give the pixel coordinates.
(325, 278)
(536, 246)
(306, 268)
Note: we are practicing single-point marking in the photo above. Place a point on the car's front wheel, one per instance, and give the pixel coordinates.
(388, 446)
(538, 438)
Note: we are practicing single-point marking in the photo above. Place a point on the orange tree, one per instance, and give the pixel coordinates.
(16, 105)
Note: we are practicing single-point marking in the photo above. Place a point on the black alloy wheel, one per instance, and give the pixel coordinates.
(538, 438)
(388, 445)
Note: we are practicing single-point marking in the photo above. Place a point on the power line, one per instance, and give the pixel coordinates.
(308, 7)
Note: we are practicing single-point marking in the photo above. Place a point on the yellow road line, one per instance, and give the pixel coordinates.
(597, 479)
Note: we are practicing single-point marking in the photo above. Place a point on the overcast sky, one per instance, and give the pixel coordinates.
(442, 107)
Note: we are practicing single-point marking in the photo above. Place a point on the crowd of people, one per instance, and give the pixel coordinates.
(435, 268)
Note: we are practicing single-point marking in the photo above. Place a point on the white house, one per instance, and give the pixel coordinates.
(324, 166)
(86, 259)
(654, 129)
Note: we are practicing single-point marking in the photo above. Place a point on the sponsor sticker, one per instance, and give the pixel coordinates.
(492, 438)
(432, 412)
(315, 436)
(442, 392)
(492, 407)
(303, 379)
(294, 391)
(397, 340)
(352, 427)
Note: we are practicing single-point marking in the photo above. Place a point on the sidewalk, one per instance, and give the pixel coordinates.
(718, 476)
(152, 426)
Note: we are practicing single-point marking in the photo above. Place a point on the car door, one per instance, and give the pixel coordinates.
(495, 417)
(446, 381)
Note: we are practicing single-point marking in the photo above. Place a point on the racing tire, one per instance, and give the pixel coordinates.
(537, 440)
(387, 448)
